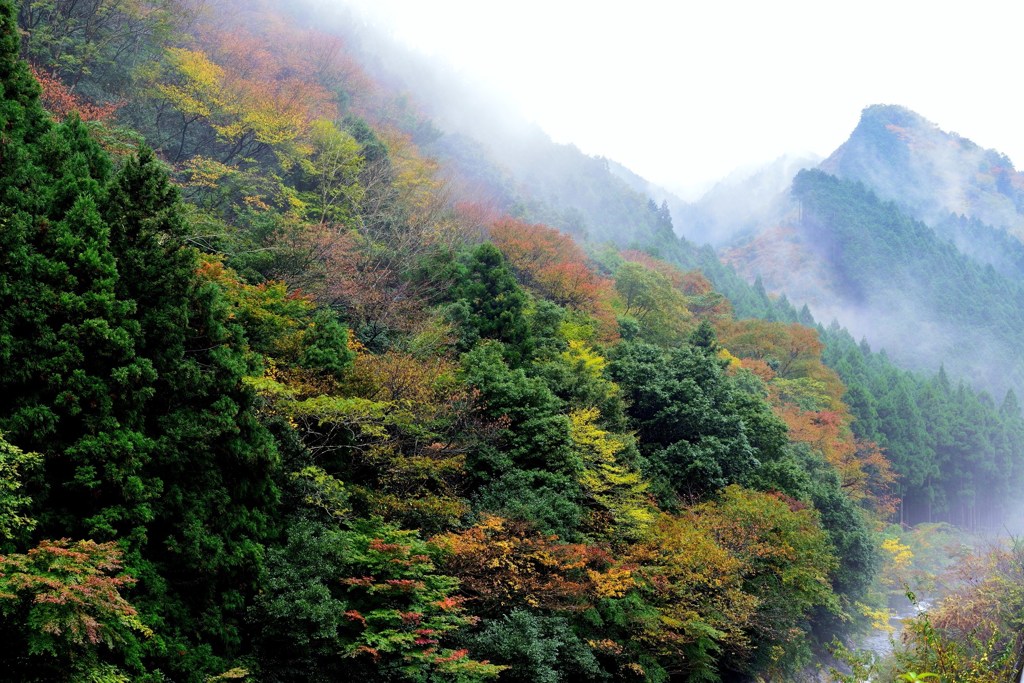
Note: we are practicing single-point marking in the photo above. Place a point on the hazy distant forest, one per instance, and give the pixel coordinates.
(296, 385)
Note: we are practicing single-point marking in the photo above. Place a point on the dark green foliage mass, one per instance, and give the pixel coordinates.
(489, 304)
(698, 431)
(959, 454)
(302, 608)
(541, 648)
(23, 119)
(74, 385)
(529, 471)
(325, 346)
(123, 370)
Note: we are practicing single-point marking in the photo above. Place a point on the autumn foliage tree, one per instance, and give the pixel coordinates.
(807, 396)
(69, 598)
(694, 605)
(62, 603)
(649, 298)
(401, 608)
(553, 264)
(364, 599)
(787, 561)
(701, 298)
(503, 563)
(621, 507)
(243, 99)
(973, 634)
(60, 101)
(791, 350)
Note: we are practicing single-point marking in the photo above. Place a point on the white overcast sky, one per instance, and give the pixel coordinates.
(685, 92)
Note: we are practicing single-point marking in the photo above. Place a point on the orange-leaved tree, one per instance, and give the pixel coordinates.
(701, 298)
(551, 263)
(505, 563)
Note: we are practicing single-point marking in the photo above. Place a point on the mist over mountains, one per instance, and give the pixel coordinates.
(926, 246)
(739, 204)
(906, 234)
(930, 173)
(496, 157)
(936, 260)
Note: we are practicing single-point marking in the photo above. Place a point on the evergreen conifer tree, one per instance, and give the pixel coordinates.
(123, 368)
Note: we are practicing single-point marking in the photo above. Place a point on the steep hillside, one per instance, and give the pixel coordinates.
(930, 173)
(286, 398)
(939, 263)
(279, 404)
(496, 154)
(905, 283)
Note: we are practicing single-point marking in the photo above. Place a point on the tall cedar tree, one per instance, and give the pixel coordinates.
(72, 385)
(213, 458)
(491, 303)
(124, 370)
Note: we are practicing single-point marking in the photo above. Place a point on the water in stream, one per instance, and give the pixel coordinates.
(880, 642)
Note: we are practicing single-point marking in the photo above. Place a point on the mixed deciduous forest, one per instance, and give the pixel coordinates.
(290, 392)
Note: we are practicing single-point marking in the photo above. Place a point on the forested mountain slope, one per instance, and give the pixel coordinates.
(878, 247)
(489, 149)
(918, 286)
(930, 173)
(282, 400)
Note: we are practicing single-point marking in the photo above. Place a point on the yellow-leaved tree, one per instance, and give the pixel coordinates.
(621, 507)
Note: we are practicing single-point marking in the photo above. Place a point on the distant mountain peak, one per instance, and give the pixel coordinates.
(932, 173)
(893, 114)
